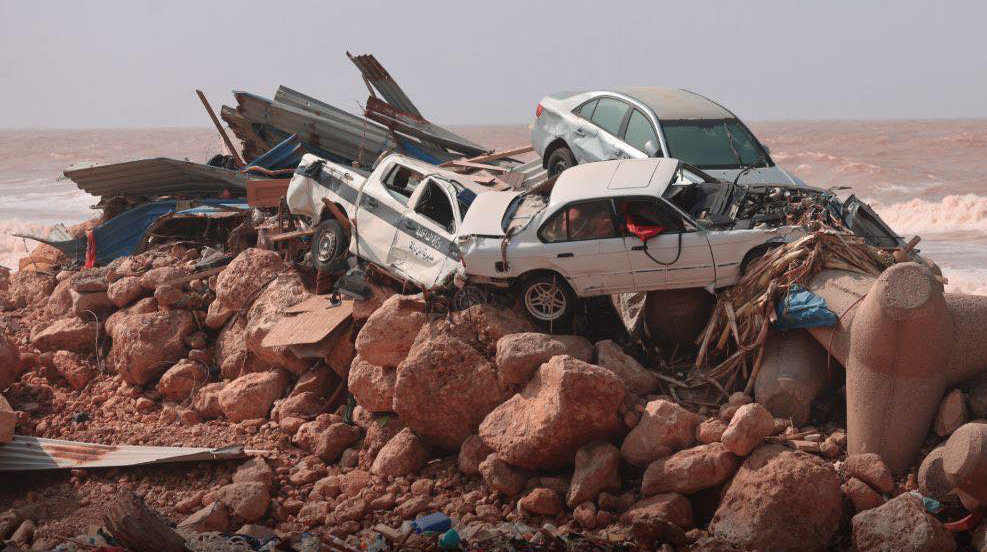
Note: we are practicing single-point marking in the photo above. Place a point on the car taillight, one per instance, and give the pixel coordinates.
(538, 111)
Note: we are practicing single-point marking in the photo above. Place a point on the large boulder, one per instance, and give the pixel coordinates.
(251, 395)
(690, 470)
(91, 303)
(28, 287)
(671, 507)
(567, 404)
(372, 385)
(286, 290)
(389, 333)
(125, 291)
(11, 365)
(232, 356)
(664, 427)
(247, 501)
(596, 471)
(486, 324)
(59, 303)
(444, 389)
(178, 383)
(404, 454)
(157, 277)
(900, 525)
(780, 499)
(637, 379)
(251, 271)
(145, 345)
(68, 334)
(520, 354)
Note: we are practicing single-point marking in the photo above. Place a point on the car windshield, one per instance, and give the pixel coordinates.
(713, 143)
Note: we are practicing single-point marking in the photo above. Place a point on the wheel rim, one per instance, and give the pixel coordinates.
(327, 246)
(545, 301)
(559, 166)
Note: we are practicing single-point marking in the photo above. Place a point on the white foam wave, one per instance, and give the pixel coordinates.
(953, 213)
(12, 248)
(966, 280)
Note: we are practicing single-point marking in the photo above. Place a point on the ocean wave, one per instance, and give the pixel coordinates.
(953, 213)
(966, 280)
(12, 248)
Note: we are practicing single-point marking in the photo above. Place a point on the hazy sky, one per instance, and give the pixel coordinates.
(135, 63)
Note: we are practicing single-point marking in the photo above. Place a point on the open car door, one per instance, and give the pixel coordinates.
(424, 249)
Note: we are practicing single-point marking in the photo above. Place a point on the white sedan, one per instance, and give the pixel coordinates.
(620, 226)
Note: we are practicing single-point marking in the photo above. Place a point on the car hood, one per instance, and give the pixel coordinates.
(761, 175)
(486, 214)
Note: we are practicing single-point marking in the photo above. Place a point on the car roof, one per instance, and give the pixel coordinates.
(674, 103)
(613, 178)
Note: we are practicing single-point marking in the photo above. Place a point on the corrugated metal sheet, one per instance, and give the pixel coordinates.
(392, 117)
(155, 177)
(376, 75)
(36, 453)
(123, 234)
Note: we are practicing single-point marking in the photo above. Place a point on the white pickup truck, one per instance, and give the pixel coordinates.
(405, 214)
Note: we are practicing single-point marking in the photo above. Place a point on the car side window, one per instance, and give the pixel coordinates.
(401, 182)
(639, 132)
(586, 110)
(591, 220)
(646, 217)
(434, 205)
(609, 114)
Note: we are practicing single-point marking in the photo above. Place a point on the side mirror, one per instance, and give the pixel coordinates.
(650, 148)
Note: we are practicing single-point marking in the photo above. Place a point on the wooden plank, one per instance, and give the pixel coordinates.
(479, 166)
(266, 192)
(308, 327)
(337, 214)
(495, 155)
(219, 127)
(137, 527)
(292, 235)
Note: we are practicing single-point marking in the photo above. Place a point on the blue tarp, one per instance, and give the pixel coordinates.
(803, 309)
(122, 234)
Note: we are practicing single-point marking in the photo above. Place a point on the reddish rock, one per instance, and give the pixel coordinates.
(255, 470)
(355, 481)
(246, 275)
(206, 401)
(372, 385)
(542, 502)
(404, 454)
(412, 507)
(379, 432)
(247, 501)
(520, 354)
(748, 428)
(861, 495)
(125, 291)
(250, 396)
(59, 303)
(178, 383)
(71, 367)
(363, 308)
(487, 324)
(304, 406)
(932, 479)
(314, 513)
(232, 356)
(637, 379)
(286, 290)
(351, 509)
(218, 314)
(444, 389)
(145, 345)
(155, 277)
(334, 440)
(900, 525)
(780, 499)
(28, 287)
(501, 477)
(870, 469)
(339, 351)
(214, 517)
(710, 431)
(68, 334)
(143, 306)
(308, 470)
(672, 507)
(585, 514)
(389, 333)
(471, 454)
(664, 427)
(952, 413)
(327, 487)
(318, 381)
(567, 404)
(596, 471)
(91, 303)
(11, 364)
(690, 470)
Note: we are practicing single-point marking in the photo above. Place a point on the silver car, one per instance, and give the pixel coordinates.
(626, 123)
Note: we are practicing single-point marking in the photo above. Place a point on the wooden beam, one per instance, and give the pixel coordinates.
(138, 528)
(292, 235)
(479, 166)
(219, 127)
(495, 155)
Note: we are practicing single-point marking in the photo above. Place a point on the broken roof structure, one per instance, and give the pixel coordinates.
(156, 177)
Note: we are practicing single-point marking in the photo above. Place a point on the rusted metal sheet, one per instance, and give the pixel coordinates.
(156, 177)
(374, 74)
(267, 192)
(309, 327)
(392, 117)
(35, 453)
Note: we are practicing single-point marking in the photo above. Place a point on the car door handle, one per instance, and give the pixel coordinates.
(564, 255)
(580, 131)
(638, 248)
(371, 202)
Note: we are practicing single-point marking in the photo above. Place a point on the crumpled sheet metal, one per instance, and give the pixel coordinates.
(35, 453)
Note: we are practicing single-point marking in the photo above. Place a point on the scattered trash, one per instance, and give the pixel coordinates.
(432, 523)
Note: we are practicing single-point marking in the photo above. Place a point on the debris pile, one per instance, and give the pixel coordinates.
(308, 420)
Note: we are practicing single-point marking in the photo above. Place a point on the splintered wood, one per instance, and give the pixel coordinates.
(746, 311)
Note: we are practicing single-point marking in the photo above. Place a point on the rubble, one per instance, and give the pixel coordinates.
(901, 524)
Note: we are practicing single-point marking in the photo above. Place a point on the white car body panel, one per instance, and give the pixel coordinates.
(482, 219)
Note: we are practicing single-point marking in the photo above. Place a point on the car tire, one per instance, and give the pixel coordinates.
(753, 255)
(329, 243)
(549, 300)
(559, 160)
